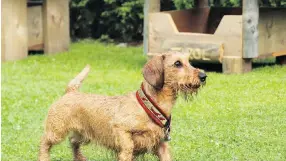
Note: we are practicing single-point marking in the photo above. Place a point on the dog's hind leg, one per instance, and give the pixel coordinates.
(45, 147)
(76, 140)
(47, 141)
(126, 146)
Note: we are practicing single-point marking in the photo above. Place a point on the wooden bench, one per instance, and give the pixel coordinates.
(34, 25)
(230, 36)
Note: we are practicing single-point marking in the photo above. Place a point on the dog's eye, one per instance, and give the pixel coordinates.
(190, 62)
(178, 64)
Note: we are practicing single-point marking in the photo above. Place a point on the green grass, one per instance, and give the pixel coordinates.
(234, 117)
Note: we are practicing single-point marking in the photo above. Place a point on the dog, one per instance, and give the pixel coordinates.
(134, 123)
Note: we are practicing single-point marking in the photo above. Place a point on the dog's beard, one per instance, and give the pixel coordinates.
(187, 91)
(189, 88)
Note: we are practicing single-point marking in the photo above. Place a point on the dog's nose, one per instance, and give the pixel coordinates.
(202, 77)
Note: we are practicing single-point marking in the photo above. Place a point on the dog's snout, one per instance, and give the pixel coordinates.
(202, 76)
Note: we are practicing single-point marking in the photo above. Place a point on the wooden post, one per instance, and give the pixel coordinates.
(236, 65)
(56, 26)
(243, 63)
(14, 30)
(149, 7)
(250, 16)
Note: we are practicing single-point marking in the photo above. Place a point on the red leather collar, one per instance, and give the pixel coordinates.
(152, 109)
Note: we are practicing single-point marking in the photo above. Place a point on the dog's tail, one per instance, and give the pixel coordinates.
(76, 82)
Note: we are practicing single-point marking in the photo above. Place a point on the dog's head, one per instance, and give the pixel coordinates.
(173, 70)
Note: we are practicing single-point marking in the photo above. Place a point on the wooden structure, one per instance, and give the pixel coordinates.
(34, 25)
(230, 36)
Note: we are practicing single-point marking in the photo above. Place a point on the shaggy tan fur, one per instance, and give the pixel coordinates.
(119, 122)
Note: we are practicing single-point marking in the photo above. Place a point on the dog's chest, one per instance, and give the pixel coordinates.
(147, 140)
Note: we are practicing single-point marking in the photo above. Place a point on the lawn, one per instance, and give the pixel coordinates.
(234, 117)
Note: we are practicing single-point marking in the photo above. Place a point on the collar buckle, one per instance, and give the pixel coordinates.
(167, 132)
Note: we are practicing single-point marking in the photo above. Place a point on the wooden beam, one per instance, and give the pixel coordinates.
(272, 33)
(280, 53)
(199, 51)
(250, 16)
(192, 20)
(37, 47)
(149, 7)
(14, 30)
(56, 26)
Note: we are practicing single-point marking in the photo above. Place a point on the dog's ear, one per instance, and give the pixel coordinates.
(153, 71)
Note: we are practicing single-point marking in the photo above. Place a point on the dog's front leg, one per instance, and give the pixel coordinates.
(163, 152)
(126, 146)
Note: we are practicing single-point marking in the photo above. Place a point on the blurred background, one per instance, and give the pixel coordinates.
(122, 20)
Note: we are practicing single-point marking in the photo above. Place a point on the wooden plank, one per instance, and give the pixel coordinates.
(14, 29)
(192, 20)
(214, 15)
(164, 28)
(280, 53)
(250, 16)
(161, 26)
(149, 7)
(212, 52)
(272, 33)
(36, 47)
(35, 28)
(236, 65)
(231, 44)
(56, 26)
(230, 25)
